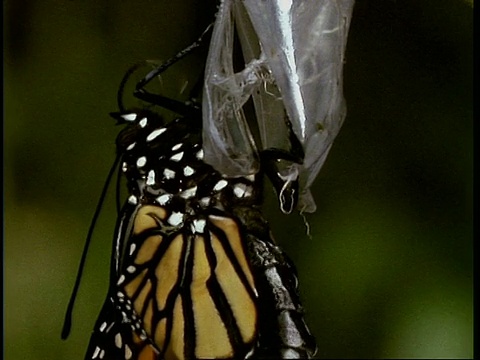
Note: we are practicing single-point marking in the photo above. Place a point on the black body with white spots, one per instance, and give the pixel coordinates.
(157, 311)
(166, 161)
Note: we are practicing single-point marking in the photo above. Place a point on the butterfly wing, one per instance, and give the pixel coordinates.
(189, 283)
(113, 337)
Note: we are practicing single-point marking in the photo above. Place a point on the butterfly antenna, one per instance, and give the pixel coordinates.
(67, 324)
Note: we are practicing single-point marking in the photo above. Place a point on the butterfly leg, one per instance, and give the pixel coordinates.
(282, 168)
(141, 93)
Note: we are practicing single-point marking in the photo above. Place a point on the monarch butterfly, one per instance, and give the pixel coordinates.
(195, 272)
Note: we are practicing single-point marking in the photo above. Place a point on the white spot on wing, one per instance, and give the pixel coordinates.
(141, 161)
(132, 200)
(124, 167)
(95, 353)
(102, 354)
(131, 269)
(187, 194)
(169, 174)
(176, 147)
(132, 248)
(199, 225)
(155, 133)
(129, 117)
(151, 177)
(200, 155)
(205, 201)
(220, 185)
(103, 326)
(177, 157)
(118, 340)
(163, 199)
(143, 122)
(175, 219)
(128, 353)
(110, 327)
(121, 280)
(131, 146)
(187, 171)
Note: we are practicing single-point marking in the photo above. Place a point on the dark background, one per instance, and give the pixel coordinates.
(387, 271)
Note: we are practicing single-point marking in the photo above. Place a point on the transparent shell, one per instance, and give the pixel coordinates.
(294, 53)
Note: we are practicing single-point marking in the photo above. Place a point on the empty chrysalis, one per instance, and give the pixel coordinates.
(294, 53)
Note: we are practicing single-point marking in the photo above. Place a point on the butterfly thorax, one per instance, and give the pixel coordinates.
(163, 164)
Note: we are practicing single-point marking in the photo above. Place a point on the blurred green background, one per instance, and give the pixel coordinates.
(387, 271)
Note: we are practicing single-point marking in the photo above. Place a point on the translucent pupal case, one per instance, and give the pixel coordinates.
(294, 54)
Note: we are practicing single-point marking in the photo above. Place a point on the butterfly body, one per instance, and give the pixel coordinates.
(196, 273)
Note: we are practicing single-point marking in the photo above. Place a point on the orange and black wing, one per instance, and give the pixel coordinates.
(114, 339)
(190, 285)
(114, 336)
